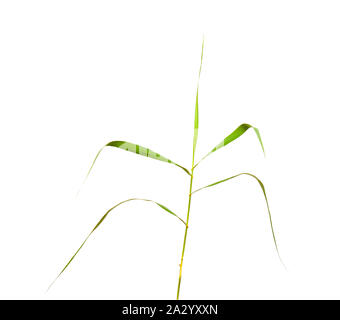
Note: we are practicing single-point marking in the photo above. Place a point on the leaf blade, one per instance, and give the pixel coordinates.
(137, 149)
(196, 122)
(103, 218)
(238, 132)
(265, 196)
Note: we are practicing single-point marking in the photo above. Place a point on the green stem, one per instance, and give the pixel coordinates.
(191, 177)
(186, 231)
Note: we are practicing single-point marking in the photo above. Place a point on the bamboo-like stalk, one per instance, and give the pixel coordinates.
(196, 122)
(186, 229)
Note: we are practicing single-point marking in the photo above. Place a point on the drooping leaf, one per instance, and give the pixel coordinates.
(265, 196)
(196, 123)
(135, 148)
(239, 131)
(103, 218)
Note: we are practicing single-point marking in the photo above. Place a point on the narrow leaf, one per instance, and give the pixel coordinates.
(196, 106)
(233, 136)
(265, 196)
(103, 218)
(135, 148)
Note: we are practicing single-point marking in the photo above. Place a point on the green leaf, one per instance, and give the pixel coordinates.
(103, 218)
(233, 136)
(196, 106)
(135, 148)
(265, 196)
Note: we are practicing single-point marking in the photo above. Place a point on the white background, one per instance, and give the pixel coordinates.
(75, 75)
